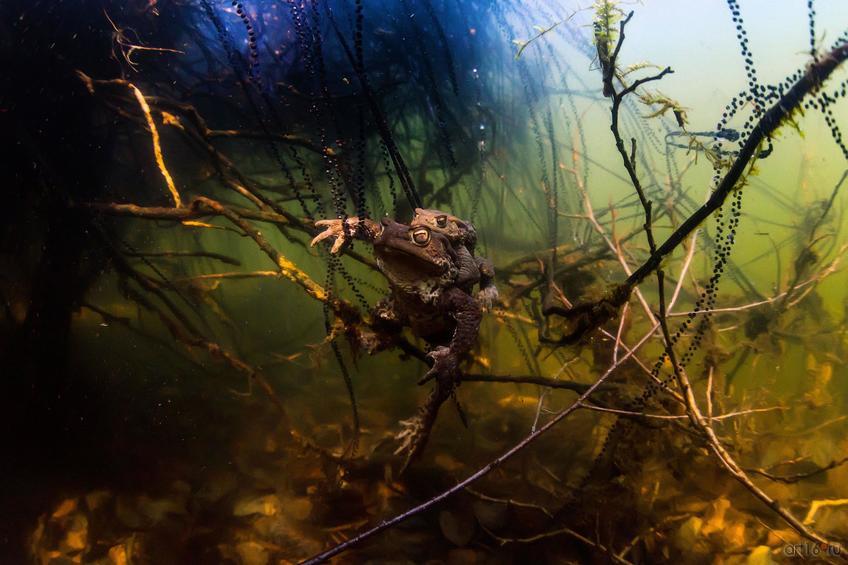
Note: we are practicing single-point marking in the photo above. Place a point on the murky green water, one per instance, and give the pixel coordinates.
(176, 396)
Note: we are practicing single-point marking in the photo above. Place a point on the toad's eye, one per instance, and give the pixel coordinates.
(421, 237)
(441, 221)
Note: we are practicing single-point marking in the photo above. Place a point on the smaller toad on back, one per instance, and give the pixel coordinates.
(463, 238)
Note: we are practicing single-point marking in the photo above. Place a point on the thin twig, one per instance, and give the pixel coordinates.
(634, 414)
(817, 72)
(559, 532)
(157, 148)
(789, 479)
(702, 425)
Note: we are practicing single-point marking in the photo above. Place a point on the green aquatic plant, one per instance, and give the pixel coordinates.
(607, 16)
(540, 32)
(712, 154)
(665, 104)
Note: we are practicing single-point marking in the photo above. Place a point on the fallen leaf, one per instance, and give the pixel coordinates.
(761, 555)
(267, 505)
(118, 555)
(491, 515)
(715, 520)
(688, 532)
(252, 553)
(76, 537)
(518, 400)
(458, 529)
(65, 508)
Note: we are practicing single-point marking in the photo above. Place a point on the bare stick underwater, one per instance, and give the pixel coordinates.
(596, 313)
(816, 74)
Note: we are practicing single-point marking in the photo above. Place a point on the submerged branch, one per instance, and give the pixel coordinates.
(193, 212)
(790, 479)
(591, 315)
(530, 379)
(157, 147)
(202, 254)
(816, 74)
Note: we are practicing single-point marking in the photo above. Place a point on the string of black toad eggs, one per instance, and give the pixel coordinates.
(383, 149)
(774, 93)
(255, 77)
(313, 55)
(360, 146)
(253, 52)
(270, 146)
(724, 238)
(404, 177)
(811, 17)
(335, 192)
(725, 243)
(359, 175)
(225, 40)
(824, 102)
(334, 263)
(387, 164)
(621, 425)
(767, 93)
(725, 227)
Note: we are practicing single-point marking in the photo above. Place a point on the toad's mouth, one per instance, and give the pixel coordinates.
(417, 265)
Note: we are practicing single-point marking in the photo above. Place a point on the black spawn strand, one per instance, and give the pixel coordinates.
(432, 271)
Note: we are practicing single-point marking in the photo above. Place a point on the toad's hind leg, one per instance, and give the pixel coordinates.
(416, 431)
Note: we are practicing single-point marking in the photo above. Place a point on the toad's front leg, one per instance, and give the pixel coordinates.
(488, 293)
(465, 310)
(345, 230)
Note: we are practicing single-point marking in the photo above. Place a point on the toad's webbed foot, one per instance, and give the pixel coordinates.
(416, 431)
(445, 367)
(345, 230)
(342, 230)
(488, 296)
(408, 436)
